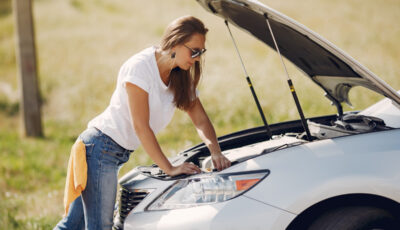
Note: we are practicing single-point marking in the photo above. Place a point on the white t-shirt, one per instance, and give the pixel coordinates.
(116, 122)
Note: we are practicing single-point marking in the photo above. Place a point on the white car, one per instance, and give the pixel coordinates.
(340, 171)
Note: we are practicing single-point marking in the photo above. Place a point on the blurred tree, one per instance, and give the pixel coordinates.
(26, 59)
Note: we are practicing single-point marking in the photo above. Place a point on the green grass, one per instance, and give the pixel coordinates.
(81, 45)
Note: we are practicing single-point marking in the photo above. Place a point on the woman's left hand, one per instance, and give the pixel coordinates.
(220, 161)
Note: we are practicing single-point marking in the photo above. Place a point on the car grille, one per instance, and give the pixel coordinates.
(127, 201)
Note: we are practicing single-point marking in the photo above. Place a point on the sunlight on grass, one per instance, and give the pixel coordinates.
(82, 43)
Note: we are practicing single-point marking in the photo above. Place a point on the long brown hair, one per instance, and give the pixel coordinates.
(183, 83)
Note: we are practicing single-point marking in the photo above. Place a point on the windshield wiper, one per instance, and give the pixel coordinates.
(268, 150)
(283, 146)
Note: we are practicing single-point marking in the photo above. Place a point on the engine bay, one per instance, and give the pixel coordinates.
(244, 145)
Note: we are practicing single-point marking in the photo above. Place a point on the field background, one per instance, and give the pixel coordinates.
(82, 43)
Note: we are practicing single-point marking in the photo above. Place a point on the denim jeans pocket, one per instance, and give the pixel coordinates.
(91, 137)
(116, 158)
(115, 153)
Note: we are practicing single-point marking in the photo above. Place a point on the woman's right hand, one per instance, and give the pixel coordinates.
(185, 168)
(140, 113)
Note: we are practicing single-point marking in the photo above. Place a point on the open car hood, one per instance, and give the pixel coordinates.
(328, 66)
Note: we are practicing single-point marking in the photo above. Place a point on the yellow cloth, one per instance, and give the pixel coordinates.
(76, 174)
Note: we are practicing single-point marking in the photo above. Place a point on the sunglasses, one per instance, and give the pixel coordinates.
(196, 53)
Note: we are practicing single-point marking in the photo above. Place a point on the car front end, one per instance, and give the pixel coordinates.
(288, 174)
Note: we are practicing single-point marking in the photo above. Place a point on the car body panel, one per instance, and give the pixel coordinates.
(300, 177)
(220, 215)
(316, 171)
(385, 110)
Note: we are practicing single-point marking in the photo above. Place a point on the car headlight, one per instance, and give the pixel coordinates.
(207, 189)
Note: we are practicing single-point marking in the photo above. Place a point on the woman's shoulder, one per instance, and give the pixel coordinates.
(142, 57)
(138, 67)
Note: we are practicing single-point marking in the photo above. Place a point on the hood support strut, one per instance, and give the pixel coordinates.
(251, 86)
(290, 83)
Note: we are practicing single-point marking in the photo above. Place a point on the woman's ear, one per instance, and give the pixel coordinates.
(173, 55)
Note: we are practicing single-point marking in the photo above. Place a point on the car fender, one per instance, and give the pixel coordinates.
(304, 175)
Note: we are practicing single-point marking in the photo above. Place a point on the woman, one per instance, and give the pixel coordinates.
(151, 84)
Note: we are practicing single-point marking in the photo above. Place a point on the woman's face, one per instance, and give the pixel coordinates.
(184, 51)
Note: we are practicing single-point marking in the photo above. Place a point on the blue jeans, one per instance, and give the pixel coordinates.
(94, 208)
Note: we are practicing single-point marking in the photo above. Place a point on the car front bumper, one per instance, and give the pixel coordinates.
(239, 213)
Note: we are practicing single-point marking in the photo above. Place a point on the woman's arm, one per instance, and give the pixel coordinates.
(139, 109)
(207, 133)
